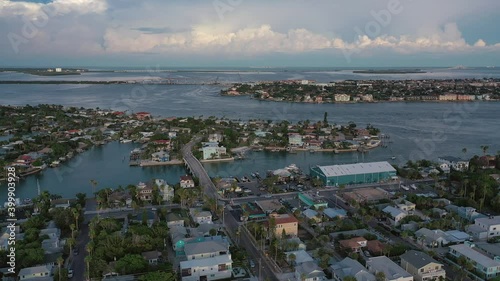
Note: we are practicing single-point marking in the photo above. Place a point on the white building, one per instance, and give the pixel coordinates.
(214, 268)
(482, 263)
(392, 271)
(342, 97)
(36, 273)
(212, 150)
(199, 216)
(487, 228)
(455, 163)
(309, 271)
(395, 214)
(166, 191)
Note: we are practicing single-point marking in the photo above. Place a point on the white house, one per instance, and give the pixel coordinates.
(200, 216)
(454, 162)
(212, 150)
(486, 228)
(35, 273)
(395, 214)
(214, 268)
(392, 271)
(490, 267)
(432, 238)
(186, 182)
(166, 191)
(342, 98)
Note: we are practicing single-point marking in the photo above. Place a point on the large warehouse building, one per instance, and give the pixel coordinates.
(336, 175)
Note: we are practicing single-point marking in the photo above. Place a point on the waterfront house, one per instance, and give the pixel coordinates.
(486, 266)
(213, 268)
(353, 245)
(142, 115)
(42, 272)
(152, 257)
(350, 267)
(455, 163)
(162, 145)
(309, 271)
(200, 216)
(342, 97)
(395, 214)
(422, 266)
(295, 140)
(392, 271)
(120, 199)
(186, 182)
(212, 150)
(285, 223)
(160, 156)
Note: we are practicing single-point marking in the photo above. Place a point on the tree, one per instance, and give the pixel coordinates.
(380, 276)
(465, 266)
(349, 278)
(485, 148)
(81, 198)
(292, 258)
(60, 261)
(76, 215)
(131, 264)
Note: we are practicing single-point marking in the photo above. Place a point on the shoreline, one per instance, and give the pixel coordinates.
(154, 163)
(217, 160)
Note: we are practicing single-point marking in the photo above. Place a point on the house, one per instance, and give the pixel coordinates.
(486, 228)
(145, 191)
(487, 162)
(178, 235)
(395, 214)
(160, 156)
(309, 271)
(350, 267)
(206, 249)
(489, 267)
(142, 115)
(295, 244)
(353, 245)
(392, 271)
(186, 182)
(455, 163)
(432, 238)
(301, 256)
(422, 266)
(311, 214)
(375, 247)
(468, 213)
(407, 207)
(285, 224)
(166, 191)
(295, 140)
(174, 219)
(217, 137)
(332, 213)
(212, 150)
(200, 216)
(35, 273)
(214, 268)
(342, 98)
(152, 257)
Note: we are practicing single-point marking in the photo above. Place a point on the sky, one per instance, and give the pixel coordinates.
(249, 33)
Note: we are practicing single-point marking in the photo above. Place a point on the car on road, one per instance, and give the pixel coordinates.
(252, 264)
(70, 273)
(75, 252)
(268, 195)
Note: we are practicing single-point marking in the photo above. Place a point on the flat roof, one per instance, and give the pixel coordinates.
(223, 259)
(489, 221)
(356, 169)
(475, 255)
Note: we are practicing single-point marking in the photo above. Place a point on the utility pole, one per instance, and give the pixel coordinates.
(260, 268)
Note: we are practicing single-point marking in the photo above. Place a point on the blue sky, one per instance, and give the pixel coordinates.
(370, 33)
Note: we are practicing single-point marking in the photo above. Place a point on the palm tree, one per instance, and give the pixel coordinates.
(72, 227)
(485, 148)
(71, 242)
(380, 276)
(464, 151)
(60, 261)
(292, 258)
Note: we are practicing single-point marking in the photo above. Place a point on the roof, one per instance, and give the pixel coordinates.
(387, 266)
(186, 178)
(205, 247)
(394, 212)
(458, 235)
(311, 269)
(332, 213)
(34, 270)
(350, 267)
(301, 256)
(353, 242)
(286, 219)
(356, 169)
(151, 255)
(418, 259)
(375, 246)
(222, 259)
(451, 159)
(309, 213)
(488, 220)
(474, 255)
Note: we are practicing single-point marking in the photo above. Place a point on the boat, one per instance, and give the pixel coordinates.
(393, 157)
(253, 175)
(126, 141)
(55, 164)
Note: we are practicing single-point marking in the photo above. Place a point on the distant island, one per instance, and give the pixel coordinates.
(389, 71)
(45, 71)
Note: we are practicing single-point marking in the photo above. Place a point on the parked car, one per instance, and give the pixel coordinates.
(75, 252)
(70, 273)
(252, 264)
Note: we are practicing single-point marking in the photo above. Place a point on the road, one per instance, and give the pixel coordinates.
(79, 260)
(246, 241)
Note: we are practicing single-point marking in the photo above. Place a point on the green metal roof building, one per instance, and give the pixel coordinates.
(336, 175)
